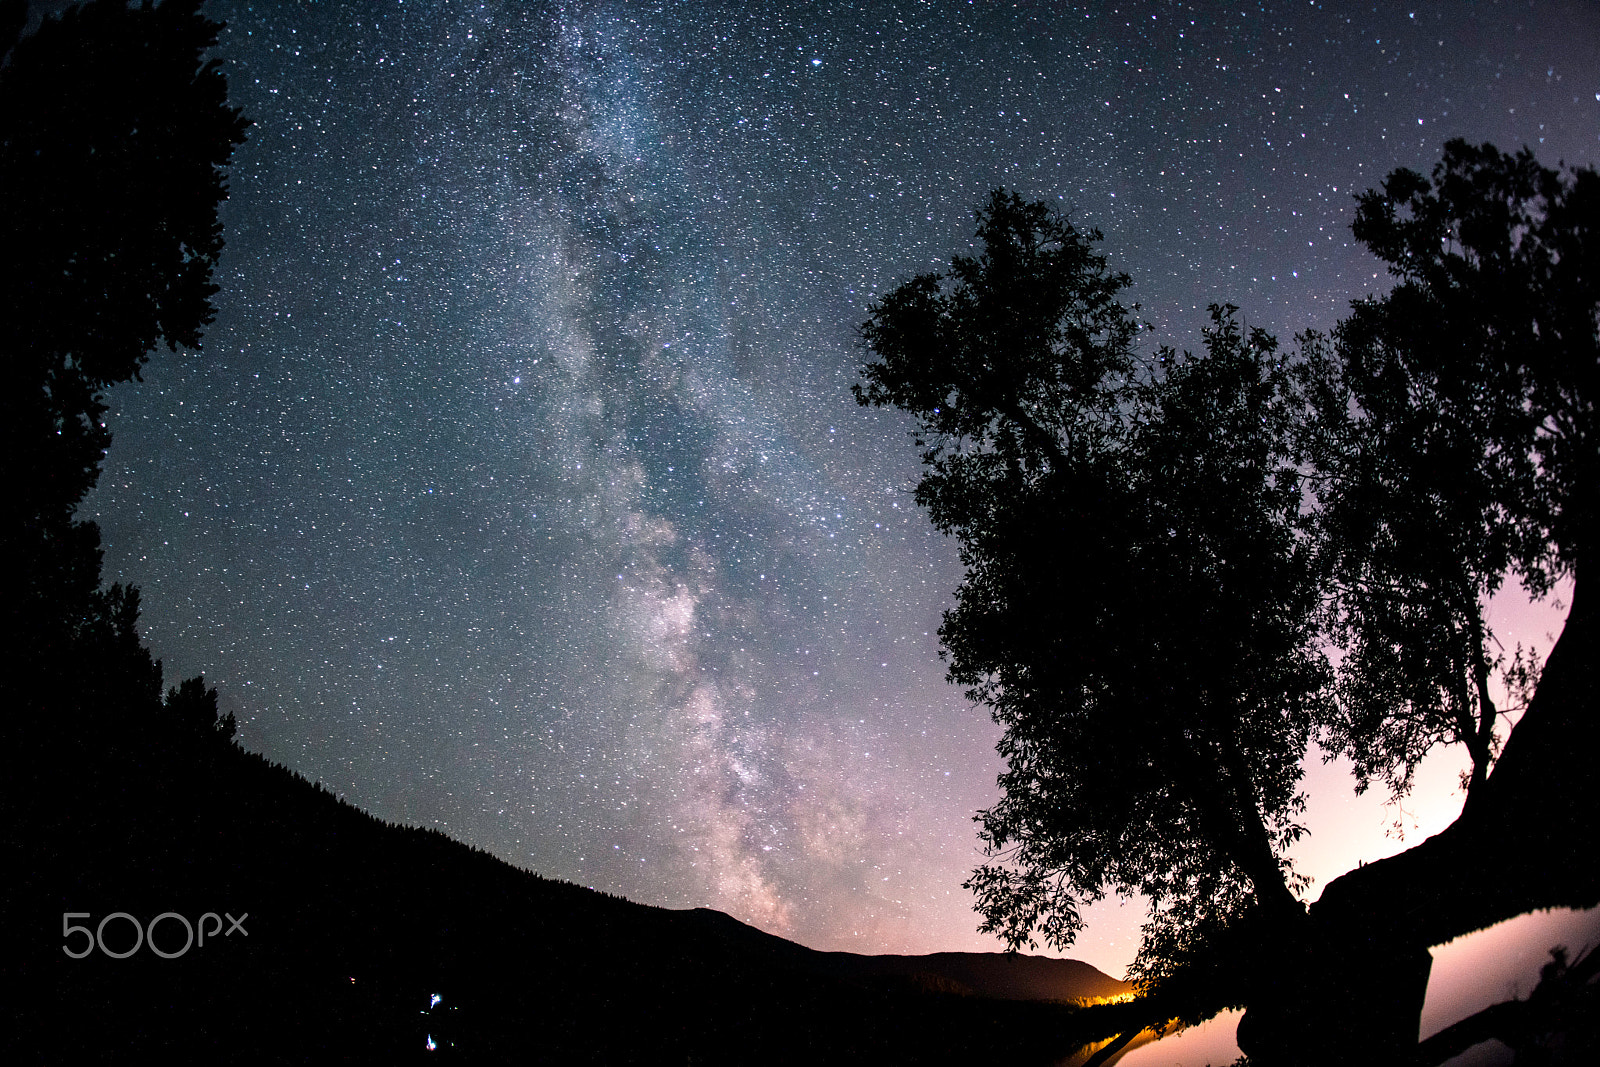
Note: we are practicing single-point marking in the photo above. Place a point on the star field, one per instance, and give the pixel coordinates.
(518, 490)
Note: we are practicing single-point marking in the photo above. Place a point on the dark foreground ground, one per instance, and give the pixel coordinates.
(354, 926)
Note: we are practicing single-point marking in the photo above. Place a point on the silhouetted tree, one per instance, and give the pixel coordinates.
(1137, 610)
(1454, 442)
(193, 705)
(113, 133)
(1158, 552)
(1455, 429)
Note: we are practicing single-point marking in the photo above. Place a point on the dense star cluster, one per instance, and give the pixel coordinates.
(518, 489)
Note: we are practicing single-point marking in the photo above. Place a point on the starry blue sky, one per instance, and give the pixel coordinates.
(518, 490)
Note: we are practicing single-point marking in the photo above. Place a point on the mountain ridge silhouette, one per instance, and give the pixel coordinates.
(352, 926)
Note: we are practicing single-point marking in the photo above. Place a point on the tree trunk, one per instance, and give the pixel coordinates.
(1527, 843)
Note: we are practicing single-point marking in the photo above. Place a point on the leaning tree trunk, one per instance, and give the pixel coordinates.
(1350, 989)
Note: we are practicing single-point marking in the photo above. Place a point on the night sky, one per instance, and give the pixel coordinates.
(518, 490)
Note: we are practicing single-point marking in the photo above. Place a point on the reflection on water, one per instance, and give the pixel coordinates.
(1083, 1055)
(1209, 1043)
(1500, 963)
(1469, 974)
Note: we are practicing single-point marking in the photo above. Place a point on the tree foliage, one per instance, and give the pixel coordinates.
(1137, 611)
(1013, 362)
(114, 131)
(1160, 551)
(1453, 438)
(193, 708)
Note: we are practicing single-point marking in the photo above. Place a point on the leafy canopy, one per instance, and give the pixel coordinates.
(114, 132)
(1137, 610)
(1453, 442)
(1161, 551)
(113, 136)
